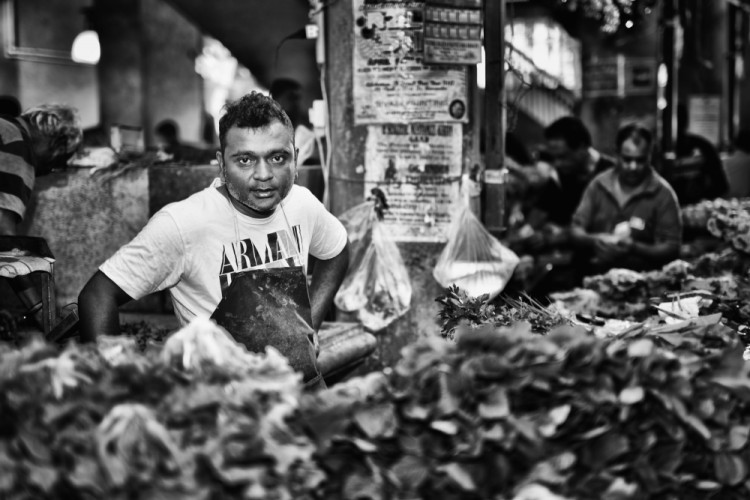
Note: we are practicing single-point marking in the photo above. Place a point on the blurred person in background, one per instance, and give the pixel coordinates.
(697, 173)
(567, 164)
(169, 146)
(288, 93)
(629, 216)
(40, 140)
(737, 166)
(9, 106)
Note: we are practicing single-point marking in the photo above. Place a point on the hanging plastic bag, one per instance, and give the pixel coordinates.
(473, 259)
(377, 286)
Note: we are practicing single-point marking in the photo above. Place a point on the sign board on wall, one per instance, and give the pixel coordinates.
(704, 116)
(453, 31)
(640, 76)
(619, 76)
(391, 82)
(601, 77)
(418, 167)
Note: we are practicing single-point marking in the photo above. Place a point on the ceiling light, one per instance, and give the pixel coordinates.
(86, 48)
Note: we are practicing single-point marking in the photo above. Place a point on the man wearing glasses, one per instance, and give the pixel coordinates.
(629, 216)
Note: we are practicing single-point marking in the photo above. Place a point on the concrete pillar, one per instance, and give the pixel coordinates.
(147, 69)
(172, 88)
(121, 66)
(8, 67)
(345, 180)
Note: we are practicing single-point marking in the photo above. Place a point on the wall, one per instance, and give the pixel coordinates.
(147, 72)
(604, 115)
(85, 218)
(36, 65)
(173, 90)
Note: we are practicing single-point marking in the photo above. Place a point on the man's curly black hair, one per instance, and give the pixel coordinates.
(253, 110)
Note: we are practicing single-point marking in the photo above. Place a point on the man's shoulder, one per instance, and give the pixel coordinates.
(604, 179)
(604, 163)
(663, 186)
(300, 197)
(197, 206)
(10, 132)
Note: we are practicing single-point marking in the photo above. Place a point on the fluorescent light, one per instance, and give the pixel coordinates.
(86, 48)
(481, 72)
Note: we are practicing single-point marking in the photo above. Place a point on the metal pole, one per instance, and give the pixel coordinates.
(670, 59)
(494, 115)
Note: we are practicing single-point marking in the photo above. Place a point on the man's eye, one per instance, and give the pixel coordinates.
(245, 160)
(278, 159)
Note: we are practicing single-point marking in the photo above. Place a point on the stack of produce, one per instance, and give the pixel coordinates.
(461, 309)
(728, 220)
(501, 413)
(202, 419)
(508, 414)
(732, 226)
(625, 294)
(697, 216)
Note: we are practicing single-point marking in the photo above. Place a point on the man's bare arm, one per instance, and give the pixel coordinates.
(326, 279)
(98, 306)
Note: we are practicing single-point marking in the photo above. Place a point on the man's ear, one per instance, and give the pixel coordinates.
(296, 155)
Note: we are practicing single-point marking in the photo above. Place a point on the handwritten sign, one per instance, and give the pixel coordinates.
(418, 167)
(391, 82)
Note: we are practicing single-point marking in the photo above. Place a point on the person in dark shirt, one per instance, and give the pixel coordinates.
(570, 163)
(629, 216)
(697, 173)
(568, 150)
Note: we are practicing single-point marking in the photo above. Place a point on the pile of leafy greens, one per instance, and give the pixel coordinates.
(501, 413)
(508, 414)
(200, 419)
(460, 310)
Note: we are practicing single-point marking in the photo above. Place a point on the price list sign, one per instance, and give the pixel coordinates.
(453, 32)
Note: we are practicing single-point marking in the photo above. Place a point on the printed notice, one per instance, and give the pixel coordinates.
(391, 82)
(418, 167)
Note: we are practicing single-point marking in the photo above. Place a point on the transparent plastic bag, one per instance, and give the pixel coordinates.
(377, 286)
(473, 259)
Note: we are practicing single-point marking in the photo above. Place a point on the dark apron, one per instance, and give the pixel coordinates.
(272, 307)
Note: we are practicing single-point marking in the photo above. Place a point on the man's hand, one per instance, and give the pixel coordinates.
(536, 242)
(316, 343)
(608, 250)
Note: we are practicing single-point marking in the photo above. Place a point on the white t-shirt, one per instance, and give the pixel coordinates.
(191, 247)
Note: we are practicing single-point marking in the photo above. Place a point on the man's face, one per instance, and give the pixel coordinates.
(565, 159)
(633, 162)
(258, 166)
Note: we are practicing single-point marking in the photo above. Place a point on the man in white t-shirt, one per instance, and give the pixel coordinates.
(254, 217)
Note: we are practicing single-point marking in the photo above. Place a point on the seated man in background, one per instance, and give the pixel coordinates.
(170, 146)
(570, 163)
(575, 163)
(629, 216)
